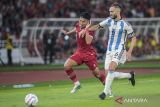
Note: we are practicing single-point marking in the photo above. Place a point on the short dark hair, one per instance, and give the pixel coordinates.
(85, 15)
(117, 5)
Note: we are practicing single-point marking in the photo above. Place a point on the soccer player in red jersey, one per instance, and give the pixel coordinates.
(85, 52)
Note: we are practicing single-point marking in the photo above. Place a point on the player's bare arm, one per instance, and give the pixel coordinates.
(94, 27)
(89, 27)
(69, 32)
(88, 38)
(133, 43)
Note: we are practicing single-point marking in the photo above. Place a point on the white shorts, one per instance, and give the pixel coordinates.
(118, 56)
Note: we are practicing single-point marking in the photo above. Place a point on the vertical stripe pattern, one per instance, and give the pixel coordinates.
(112, 37)
(119, 35)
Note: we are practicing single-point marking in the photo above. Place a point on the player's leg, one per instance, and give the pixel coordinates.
(108, 60)
(130, 76)
(109, 65)
(113, 74)
(69, 71)
(109, 80)
(101, 76)
(70, 62)
(93, 66)
(110, 94)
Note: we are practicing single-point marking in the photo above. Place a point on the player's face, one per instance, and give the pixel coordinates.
(113, 12)
(83, 22)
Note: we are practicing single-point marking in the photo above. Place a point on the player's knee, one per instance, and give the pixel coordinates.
(67, 67)
(106, 71)
(112, 68)
(113, 65)
(96, 74)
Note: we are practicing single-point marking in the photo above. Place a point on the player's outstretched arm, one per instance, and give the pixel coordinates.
(69, 32)
(89, 27)
(133, 43)
(93, 27)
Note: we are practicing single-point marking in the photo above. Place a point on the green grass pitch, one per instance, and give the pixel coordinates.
(56, 93)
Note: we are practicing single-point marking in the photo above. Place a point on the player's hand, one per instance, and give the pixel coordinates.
(88, 25)
(82, 33)
(63, 31)
(129, 56)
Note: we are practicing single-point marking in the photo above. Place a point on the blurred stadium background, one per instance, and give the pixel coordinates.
(29, 23)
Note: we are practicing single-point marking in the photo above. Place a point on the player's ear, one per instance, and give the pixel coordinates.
(118, 10)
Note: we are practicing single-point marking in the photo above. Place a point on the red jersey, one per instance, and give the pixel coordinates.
(81, 43)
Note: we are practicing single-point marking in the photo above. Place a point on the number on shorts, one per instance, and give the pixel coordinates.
(116, 55)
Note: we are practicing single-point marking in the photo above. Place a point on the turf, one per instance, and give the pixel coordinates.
(56, 94)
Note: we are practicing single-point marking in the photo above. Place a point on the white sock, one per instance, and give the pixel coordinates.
(122, 75)
(109, 79)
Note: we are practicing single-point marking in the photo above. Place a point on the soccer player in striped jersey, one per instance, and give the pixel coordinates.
(116, 53)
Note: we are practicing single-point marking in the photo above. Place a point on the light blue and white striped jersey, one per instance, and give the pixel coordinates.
(118, 33)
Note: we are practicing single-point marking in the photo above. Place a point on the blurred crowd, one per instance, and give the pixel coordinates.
(14, 12)
(146, 45)
(65, 46)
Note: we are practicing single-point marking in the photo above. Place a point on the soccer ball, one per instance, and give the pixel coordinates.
(31, 100)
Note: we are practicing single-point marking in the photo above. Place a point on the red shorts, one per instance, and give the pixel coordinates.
(89, 58)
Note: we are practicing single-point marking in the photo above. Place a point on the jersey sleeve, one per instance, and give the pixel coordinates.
(130, 31)
(105, 23)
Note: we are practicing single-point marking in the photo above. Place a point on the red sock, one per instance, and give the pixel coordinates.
(72, 75)
(102, 78)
